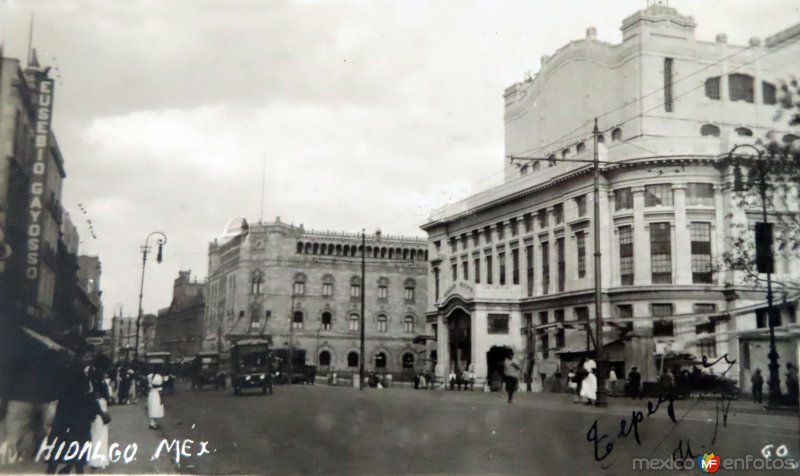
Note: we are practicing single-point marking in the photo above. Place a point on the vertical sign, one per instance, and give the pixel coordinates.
(44, 106)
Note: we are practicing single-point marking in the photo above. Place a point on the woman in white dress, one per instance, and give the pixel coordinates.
(155, 407)
(99, 428)
(589, 388)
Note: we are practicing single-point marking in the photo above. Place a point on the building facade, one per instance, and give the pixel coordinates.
(513, 266)
(179, 327)
(303, 289)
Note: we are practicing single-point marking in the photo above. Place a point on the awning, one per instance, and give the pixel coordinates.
(575, 342)
(31, 366)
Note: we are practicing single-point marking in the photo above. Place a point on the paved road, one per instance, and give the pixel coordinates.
(336, 430)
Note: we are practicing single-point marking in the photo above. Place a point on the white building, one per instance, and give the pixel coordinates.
(670, 107)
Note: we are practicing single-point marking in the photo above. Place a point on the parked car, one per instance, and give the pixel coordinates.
(251, 366)
(205, 370)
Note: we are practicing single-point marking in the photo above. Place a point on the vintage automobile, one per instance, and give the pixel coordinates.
(290, 370)
(160, 362)
(205, 370)
(251, 366)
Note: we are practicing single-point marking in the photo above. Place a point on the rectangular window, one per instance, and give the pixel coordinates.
(662, 327)
(353, 322)
(761, 318)
(355, 290)
(515, 266)
(580, 203)
(580, 238)
(463, 242)
(625, 311)
(545, 344)
(454, 271)
(528, 220)
(545, 267)
(558, 213)
(476, 239)
(560, 332)
(768, 93)
(382, 324)
(543, 318)
(623, 199)
(489, 269)
(626, 255)
(477, 265)
(661, 253)
(700, 194)
(465, 270)
(436, 284)
(712, 88)
(501, 259)
(383, 292)
(707, 348)
(452, 245)
(327, 289)
(529, 267)
(658, 195)
(740, 87)
(500, 231)
(542, 218)
(487, 233)
(408, 294)
(513, 225)
(668, 84)
(498, 323)
(701, 252)
(561, 264)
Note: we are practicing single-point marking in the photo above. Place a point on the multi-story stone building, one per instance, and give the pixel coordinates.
(31, 175)
(303, 288)
(517, 260)
(179, 327)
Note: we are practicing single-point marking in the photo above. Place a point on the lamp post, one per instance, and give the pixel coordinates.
(361, 323)
(602, 392)
(764, 264)
(146, 249)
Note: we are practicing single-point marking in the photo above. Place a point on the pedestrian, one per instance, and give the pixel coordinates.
(589, 387)
(758, 383)
(471, 380)
(452, 379)
(791, 384)
(572, 381)
(580, 374)
(668, 384)
(99, 429)
(75, 411)
(423, 384)
(612, 377)
(155, 405)
(634, 383)
(510, 372)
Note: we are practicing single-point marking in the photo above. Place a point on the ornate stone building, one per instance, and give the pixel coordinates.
(303, 289)
(179, 327)
(513, 266)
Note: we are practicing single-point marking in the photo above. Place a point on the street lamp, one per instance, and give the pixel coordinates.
(361, 324)
(146, 249)
(764, 259)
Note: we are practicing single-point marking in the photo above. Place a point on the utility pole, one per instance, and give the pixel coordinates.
(363, 291)
(602, 393)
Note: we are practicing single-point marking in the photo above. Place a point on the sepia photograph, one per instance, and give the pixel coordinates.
(422, 237)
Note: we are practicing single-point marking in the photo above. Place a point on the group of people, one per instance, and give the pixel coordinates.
(583, 381)
(459, 378)
(82, 411)
(792, 386)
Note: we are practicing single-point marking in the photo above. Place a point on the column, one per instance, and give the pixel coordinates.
(442, 348)
(682, 242)
(718, 228)
(641, 240)
(606, 236)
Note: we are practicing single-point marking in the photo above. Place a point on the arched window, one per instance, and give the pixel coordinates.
(616, 134)
(709, 130)
(380, 360)
(355, 288)
(308, 248)
(565, 153)
(297, 320)
(257, 283)
(327, 321)
(523, 170)
(769, 93)
(745, 132)
(299, 247)
(408, 360)
(712, 88)
(551, 160)
(353, 321)
(327, 285)
(383, 323)
(299, 287)
(581, 147)
(536, 166)
(324, 358)
(352, 359)
(409, 291)
(408, 324)
(601, 139)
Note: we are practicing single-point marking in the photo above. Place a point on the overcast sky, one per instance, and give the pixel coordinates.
(363, 114)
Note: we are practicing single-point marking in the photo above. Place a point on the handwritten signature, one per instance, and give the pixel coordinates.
(604, 444)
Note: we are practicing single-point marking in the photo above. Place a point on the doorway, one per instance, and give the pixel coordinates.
(495, 358)
(460, 337)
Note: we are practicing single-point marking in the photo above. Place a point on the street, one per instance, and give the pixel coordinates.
(339, 430)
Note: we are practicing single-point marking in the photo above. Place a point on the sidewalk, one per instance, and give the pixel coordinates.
(128, 426)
